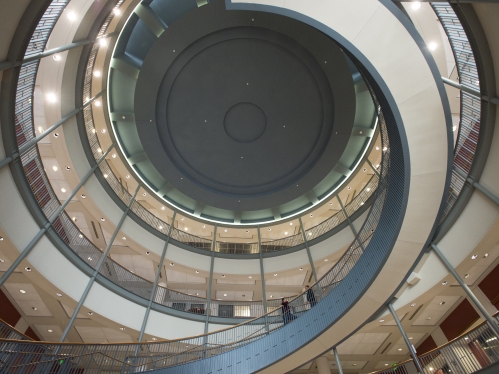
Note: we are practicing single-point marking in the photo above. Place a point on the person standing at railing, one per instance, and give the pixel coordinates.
(286, 311)
(310, 296)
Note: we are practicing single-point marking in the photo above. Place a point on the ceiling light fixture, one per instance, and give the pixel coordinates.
(197, 271)
(2, 260)
(432, 46)
(102, 42)
(270, 229)
(466, 276)
(117, 12)
(103, 219)
(428, 318)
(57, 57)
(99, 150)
(103, 131)
(250, 277)
(301, 269)
(90, 313)
(413, 304)
(113, 155)
(162, 208)
(400, 349)
(72, 16)
(275, 274)
(97, 73)
(377, 148)
(223, 275)
(474, 257)
(444, 283)
(83, 196)
(68, 168)
(416, 5)
(55, 168)
(349, 188)
(34, 308)
(124, 238)
(285, 233)
(442, 303)
(58, 294)
(172, 264)
(485, 255)
(160, 227)
(144, 194)
(105, 175)
(225, 294)
(56, 134)
(22, 291)
(63, 190)
(225, 230)
(381, 320)
(148, 253)
(122, 328)
(291, 223)
(97, 103)
(49, 330)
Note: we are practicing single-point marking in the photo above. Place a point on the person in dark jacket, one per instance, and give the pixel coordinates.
(286, 311)
(311, 296)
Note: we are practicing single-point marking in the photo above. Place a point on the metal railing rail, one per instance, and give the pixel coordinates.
(469, 126)
(476, 349)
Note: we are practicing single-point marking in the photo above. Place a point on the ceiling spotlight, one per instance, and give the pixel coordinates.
(148, 253)
(55, 168)
(466, 276)
(72, 16)
(1, 238)
(83, 196)
(51, 97)
(103, 131)
(63, 190)
(103, 42)
(270, 229)
(377, 148)
(113, 155)
(454, 128)
(103, 219)
(144, 194)
(34, 308)
(400, 349)
(160, 227)
(128, 176)
(49, 330)
(275, 274)
(186, 229)
(271, 296)
(301, 269)
(56, 134)
(428, 318)
(197, 271)
(444, 283)
(225, 230)
(117, 12)
(90, 313)
(285, 233)
(432, 46)
(474, 257)
(442, 303)
(223, 275)
(250, 277)
(291, 223)
(58, 294)
(364, 170)
(485, 255)
(381, 320)
(22, 291)
(349, 188)
(93, 131)
(68, 168)
(326, 260)
(410, 337)
(413, 304)
(97, 103)
(89, 258)
(385, 149)
(162, 208)
(181, 219)
(246, 230)
(105, 175)
(124, 238)
(416, 5)
(122, 328)
(172, 264)
(225, 294)
(57, 57)
(97, 73)
(309, 234)
(311, 215)
(2, 260)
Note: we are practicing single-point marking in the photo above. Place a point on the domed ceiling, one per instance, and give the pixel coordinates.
(235, 116)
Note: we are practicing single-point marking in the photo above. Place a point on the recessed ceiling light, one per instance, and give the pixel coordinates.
(124, 238)
(58, 294)
(442, 303)
(223, 275)
(83, 196)
(364, 170)
(250, 277)
(34, 308)
(2, 260)
(432, 46)
(93, 131)
(122, 328)
(154, 339)
(97, 73)
(474, 256)
(331, 203)
(99, 150)
(291, 223)
(413, 304)
(27, 268)
(444, 283)
(377, 148)
(301, 269)
(247, 231)
(385, 149)
(271, 296)
(410, 337)
(309, 234)
(97, 103)
(49, 330)
(197, 271)
(71, 16)
(275, 274)
(90, 313)
(225, 230)
(454, 128)
(162, 208)
(55, 168)
(56, 134)
(270, 229)
(113, 155)
(326, 260)
(1, 238)
(311, 215)
(148, 253)
(103, 131)
(225, 294)
(172, 264)
(102, 219)
(400, 349)
(89, 258)
(485, 255)
(416, 5)
(466, 276)
(102, 42)
(57, 57)
(368, 189)
(354, 364)
(22, 291)
(381, 320)
(349, 188)
(117, 12)
(68, 168)
(186, 228)
(181, 219)
(144, 194)
(428, 318)
(386, 364)
(197, 294)
(63, 190)
(285, 233)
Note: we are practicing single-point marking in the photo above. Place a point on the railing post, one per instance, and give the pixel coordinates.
(38, 236)
(350, 224)
(98, 267)
(262, 276)
(156, 280)
(464, 286)
(372, 167)
(406, 339)
(308, 249)
(338, 363)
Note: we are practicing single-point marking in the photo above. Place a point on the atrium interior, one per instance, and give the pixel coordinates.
(240, 186)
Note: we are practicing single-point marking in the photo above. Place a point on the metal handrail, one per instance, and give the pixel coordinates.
(469, 127)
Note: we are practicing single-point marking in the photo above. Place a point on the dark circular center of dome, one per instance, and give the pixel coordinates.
(245, 122)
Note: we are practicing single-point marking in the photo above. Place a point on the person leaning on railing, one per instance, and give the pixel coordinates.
(310, 296)
(286, 311)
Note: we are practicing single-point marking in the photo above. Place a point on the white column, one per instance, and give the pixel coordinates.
(323, 365)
